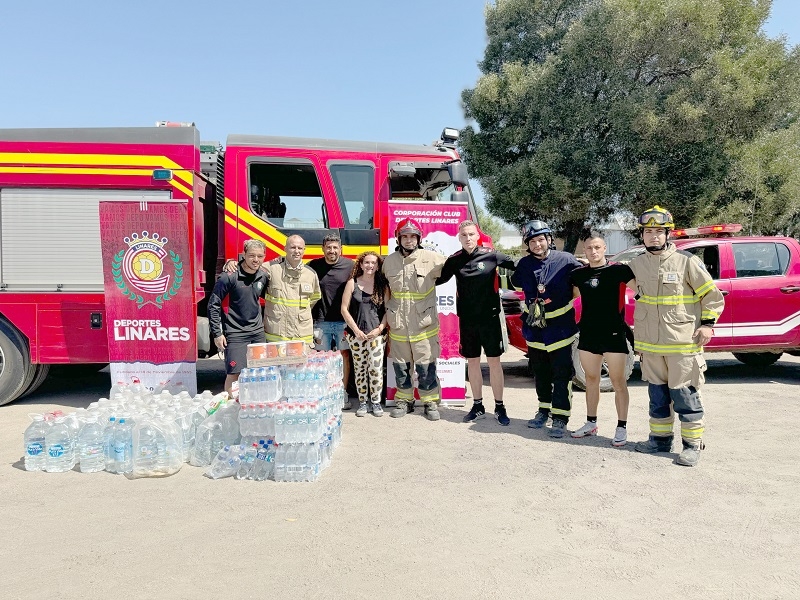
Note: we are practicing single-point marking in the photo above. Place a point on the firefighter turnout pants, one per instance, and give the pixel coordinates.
(553, 373)
(674, 382)
(415, 357)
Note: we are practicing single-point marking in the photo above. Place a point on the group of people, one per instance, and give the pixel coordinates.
(359, 307)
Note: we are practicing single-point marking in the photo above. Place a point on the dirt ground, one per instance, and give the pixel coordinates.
(416, 509)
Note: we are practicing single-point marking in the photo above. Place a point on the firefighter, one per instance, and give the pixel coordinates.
(548, 324)
(677, 305)
(293, 290)
(413, 319)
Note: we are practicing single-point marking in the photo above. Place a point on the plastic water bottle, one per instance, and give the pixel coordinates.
(290, 422)
(108, 444)
(59, 447)
(35, 456)
(270, 460)
(145, 448)
(91, 453)
(260, 464)
(280, 462)
(302, 423)
(247, 464)
(122, 447)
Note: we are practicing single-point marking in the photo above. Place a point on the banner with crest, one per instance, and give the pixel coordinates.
(149, 296)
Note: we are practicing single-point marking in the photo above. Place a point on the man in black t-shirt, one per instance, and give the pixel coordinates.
(603, 332)
(243, 323)
(333, 271)
(478, 308)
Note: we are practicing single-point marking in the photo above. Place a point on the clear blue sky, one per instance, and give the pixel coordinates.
(350, 69)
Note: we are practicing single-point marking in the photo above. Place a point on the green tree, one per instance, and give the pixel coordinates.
(586, 107)
(489, 225)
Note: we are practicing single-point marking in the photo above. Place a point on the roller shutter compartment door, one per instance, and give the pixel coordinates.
(50, 239)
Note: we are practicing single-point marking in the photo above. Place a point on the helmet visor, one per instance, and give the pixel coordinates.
(655, 218)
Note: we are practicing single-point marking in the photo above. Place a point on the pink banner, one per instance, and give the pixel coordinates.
(439, 222)
(150, 310)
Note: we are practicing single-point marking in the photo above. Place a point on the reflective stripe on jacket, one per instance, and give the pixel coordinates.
(675, 292)
(290, 295)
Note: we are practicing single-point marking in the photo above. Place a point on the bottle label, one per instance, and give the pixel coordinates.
(119, 451)
(34, 448)
(56, 450)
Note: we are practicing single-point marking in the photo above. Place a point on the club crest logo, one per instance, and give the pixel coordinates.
(594, 282)
(146, 273)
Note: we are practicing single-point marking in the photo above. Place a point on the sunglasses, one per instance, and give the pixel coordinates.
(655, 219)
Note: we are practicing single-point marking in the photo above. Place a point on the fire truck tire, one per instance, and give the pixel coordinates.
(15, 363)
(757, 359)
(579, 380)
(40, 374)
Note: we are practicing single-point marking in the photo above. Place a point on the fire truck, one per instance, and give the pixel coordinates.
(759, 277)
(258, 187)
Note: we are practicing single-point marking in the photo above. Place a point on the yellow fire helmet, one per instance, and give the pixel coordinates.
(656, 217)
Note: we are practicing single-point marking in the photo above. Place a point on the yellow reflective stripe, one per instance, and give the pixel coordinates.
(553, 346)
(669, 300)
(692, 434)
(559, 311)
(558, 411)
(661, 428)
(271, 337)
(403, 396)
(426, 397)
(704, 289)
(414, 338)
(289, 301)
(412, 295)
(709, 314)
(544, 405)
(666, 348)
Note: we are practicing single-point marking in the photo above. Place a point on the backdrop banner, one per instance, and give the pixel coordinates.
(150, 310)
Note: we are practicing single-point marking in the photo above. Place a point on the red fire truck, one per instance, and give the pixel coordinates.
(267, 188)
(759, 277)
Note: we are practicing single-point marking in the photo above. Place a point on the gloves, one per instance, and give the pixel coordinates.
(536, 312)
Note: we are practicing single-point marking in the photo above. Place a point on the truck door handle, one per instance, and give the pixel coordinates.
(724, 292)
(789, 289)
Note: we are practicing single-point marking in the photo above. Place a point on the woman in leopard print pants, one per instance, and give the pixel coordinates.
(364, 312)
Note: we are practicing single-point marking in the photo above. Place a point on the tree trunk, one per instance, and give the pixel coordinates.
(571, 232)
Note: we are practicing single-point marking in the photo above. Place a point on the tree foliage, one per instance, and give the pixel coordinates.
(586, 107)
(489, 225)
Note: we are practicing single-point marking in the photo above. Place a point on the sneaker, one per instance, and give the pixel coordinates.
(588, 429)
(690, 455)
(377, 409)
(620, 437)
(539, 419)
(362, 409)
(558, 429)
(399, 410)
(501, 416)
(348, 404)
(431, 411)
(476, 412)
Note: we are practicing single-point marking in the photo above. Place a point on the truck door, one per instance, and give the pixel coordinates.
(765, 295)
(354, 182)
(709, 253)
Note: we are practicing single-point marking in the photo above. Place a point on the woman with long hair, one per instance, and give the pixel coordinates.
(364, 311)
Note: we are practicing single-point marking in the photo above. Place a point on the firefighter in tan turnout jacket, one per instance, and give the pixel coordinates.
(677, 305)
(293, 289)
(413, 319)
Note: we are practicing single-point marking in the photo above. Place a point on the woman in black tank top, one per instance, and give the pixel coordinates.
(364, 312)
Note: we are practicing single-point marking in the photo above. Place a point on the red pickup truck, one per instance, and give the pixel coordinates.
(759, 277)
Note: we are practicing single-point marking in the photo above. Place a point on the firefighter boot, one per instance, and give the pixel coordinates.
(655, 444)
(399, 410)
(690, 455)
(431, 411)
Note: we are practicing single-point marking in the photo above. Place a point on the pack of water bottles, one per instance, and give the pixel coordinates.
(135, 431)
(289, 421)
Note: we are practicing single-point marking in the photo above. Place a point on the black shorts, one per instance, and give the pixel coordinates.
(486, 334)
(236, 352)
(600, 342)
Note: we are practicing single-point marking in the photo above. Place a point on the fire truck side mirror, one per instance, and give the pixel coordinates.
(458, 173)
(460, 196)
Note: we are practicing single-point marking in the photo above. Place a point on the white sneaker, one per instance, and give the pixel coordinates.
(588, 429)
(620, 437)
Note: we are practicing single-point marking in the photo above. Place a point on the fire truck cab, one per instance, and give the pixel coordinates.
(260, 187)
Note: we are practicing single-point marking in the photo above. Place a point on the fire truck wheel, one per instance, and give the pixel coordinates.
(39, 375)
(757, 359)
(605, 381)
(15, 363)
